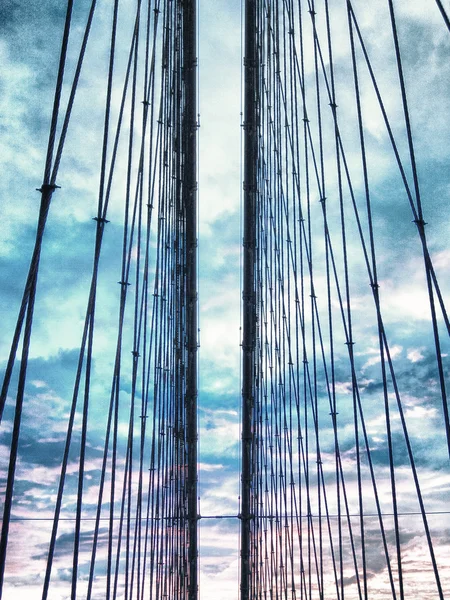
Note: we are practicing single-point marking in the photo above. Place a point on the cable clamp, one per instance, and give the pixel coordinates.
(48, 187)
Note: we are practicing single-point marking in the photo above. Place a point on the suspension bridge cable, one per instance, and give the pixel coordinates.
(333, 463)
(329, 277)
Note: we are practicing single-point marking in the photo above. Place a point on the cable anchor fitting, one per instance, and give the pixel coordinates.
(48, 187)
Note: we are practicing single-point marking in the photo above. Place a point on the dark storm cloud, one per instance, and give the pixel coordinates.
(16, 16)
(50, 381)
(32, 32)
(64, 543)
(46, 453)
(217, 567)
(14, 268)
(63, 287)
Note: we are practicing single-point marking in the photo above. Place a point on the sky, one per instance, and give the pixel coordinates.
(30, 36)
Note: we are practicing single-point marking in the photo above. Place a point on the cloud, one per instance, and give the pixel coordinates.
(414, 355)
(28, 47)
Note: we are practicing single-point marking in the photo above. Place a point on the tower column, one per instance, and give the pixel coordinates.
(248, 284)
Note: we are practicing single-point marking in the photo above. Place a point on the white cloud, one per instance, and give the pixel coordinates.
(415, 355)
(62, 291)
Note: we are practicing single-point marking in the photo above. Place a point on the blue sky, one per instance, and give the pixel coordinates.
(30, 35)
